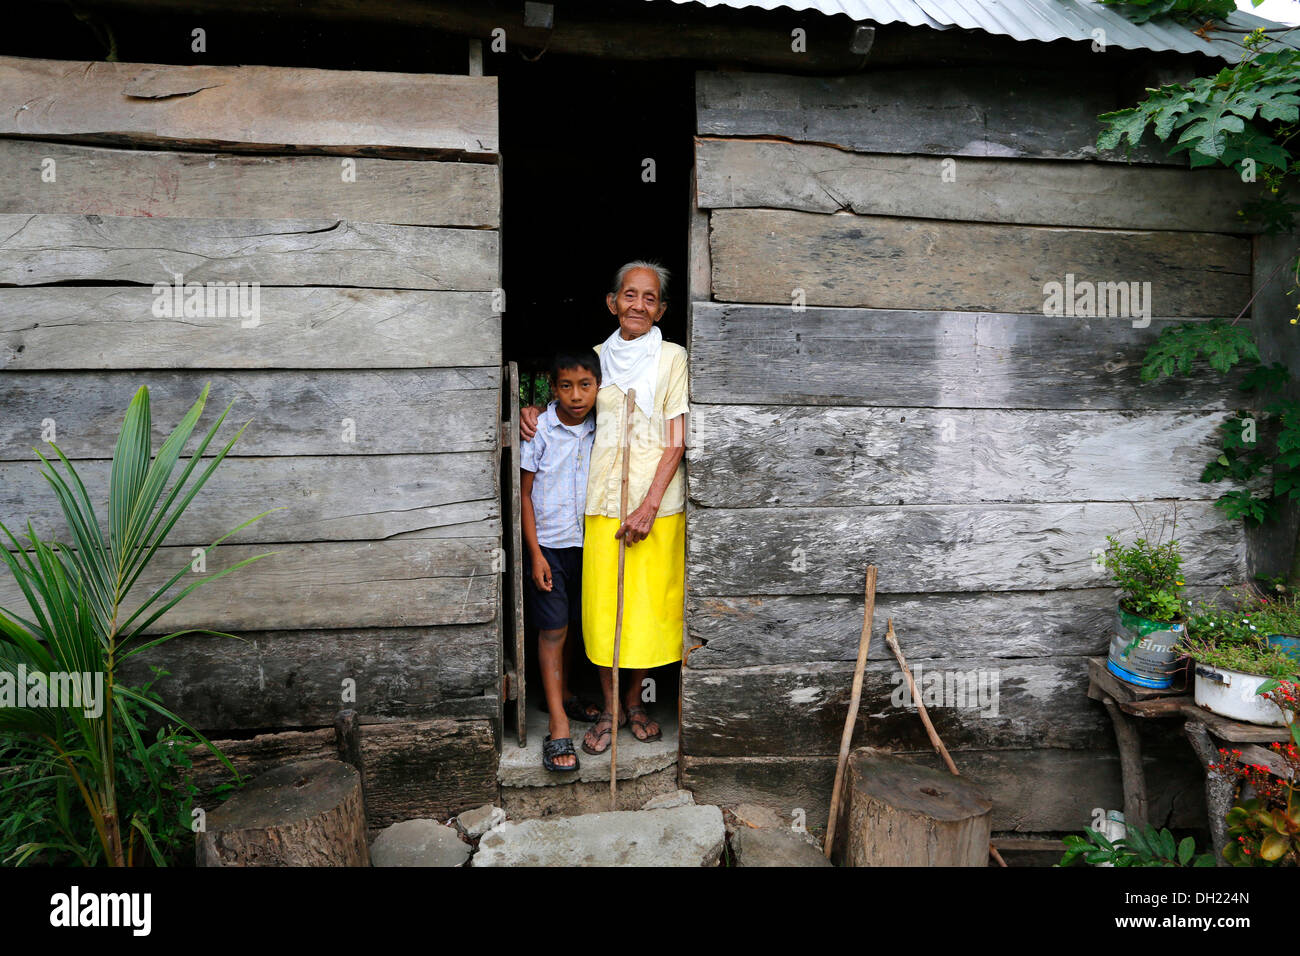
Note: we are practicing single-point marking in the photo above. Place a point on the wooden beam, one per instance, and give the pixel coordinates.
(321, 498)
(798, 709)
(991, 111)
(882, 262)
(736, 173)
(40, 249)
(250, 107)
(338, 412)
(747, 456)
(750, 630)
(400, 582)
(282, 678)
(956, 547)
(113, 327)
(897, 358)
(98, 181)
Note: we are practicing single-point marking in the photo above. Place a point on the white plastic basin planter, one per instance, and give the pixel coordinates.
(1231, 694)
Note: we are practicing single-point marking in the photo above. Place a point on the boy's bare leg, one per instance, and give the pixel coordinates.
(570, 653)
(550, 656)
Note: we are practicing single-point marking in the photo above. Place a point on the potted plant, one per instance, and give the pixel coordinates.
(1278, 618)
(1233, 663)
(1150, 618)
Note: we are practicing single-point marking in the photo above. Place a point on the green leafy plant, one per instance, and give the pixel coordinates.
(1259, 448)
(1277, 615)
(1251, 657)
(1146, 846)
(534, 389)
(37, 825)
(85, 620)
(1217, 342)
(1196, 11)
(1149, 577)
(1245, 117)
(1264, 830)
(1260, 836)
(1235, 636)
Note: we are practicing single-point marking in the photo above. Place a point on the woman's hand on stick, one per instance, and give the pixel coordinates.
(638, 524)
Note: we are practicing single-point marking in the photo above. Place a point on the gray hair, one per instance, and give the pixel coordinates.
(654, 267)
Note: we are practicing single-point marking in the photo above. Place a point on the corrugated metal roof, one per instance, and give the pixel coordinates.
(1031, 20)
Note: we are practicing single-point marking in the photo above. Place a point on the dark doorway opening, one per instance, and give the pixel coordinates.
(596, 172)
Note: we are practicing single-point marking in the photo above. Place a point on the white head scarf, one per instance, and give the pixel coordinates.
(633, 363)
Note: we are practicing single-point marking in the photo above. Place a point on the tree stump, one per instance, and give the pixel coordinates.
(308, 813)
(898, 813)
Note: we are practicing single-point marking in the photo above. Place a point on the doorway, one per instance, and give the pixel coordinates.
(596, 170)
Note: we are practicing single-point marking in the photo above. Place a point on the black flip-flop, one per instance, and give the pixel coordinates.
(560, 747)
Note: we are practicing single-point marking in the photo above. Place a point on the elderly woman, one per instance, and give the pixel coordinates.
(635, 356)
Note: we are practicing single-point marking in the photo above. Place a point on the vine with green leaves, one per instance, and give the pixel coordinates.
(1246, 117)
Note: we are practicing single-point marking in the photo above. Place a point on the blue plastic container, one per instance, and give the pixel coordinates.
(1288, 642)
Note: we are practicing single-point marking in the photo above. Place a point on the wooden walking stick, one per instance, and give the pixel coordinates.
(628, 406)
(892, 641)
(850, 719)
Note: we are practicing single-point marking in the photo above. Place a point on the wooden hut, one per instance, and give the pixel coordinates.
(864, 210)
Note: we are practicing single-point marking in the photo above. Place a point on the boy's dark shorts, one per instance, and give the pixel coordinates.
(562, 605)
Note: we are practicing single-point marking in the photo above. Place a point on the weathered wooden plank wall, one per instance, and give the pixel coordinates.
(370, 382)
(875, 379)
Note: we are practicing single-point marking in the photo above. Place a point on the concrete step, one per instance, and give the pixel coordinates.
(645, 770)
(522, 767)
(681, 836)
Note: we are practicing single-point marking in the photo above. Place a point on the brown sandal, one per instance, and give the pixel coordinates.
(605, 718)
(639, 711)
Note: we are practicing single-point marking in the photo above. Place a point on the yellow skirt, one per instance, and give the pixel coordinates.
(654, 576)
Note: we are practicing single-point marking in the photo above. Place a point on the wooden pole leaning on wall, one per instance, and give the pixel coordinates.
(892, 641)
(855, 699)
(628, 406)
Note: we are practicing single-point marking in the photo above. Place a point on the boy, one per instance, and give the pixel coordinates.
(553, 498)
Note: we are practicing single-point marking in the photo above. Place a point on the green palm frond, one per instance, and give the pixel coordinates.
(81, 619)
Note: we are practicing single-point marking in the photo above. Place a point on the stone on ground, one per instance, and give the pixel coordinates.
(773, 846)
(474, 823)
(666, 801)
(418, 843)
(752, 815)
(679, 836)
